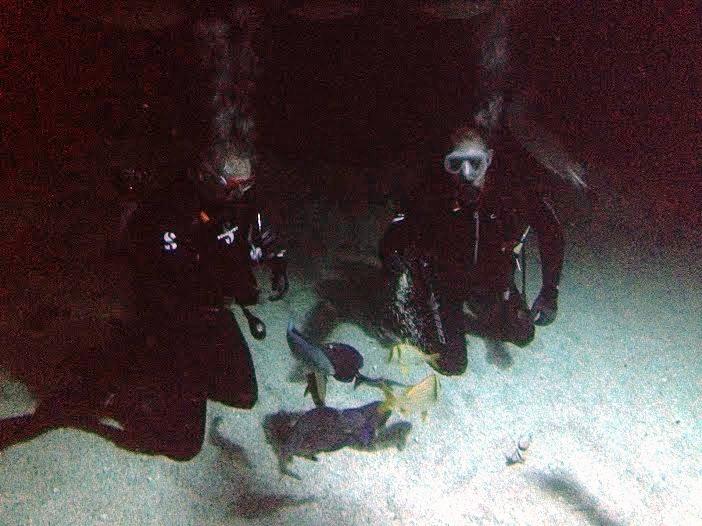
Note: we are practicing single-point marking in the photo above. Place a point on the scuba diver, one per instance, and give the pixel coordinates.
(191, 249)
(190, 242)
(450, 258)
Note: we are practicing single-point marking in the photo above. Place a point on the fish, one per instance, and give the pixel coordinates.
(376, 382)
(339, 360)
(326, 429)
(406, 355)
(395, 435)
(417, 398)
(544, 145)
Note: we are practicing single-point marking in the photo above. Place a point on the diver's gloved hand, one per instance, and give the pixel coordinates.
(279, 275)
(545, 306)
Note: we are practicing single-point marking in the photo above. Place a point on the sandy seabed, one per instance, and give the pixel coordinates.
(610, 394)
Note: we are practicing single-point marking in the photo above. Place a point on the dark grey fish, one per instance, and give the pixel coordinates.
(339, 360)
(334, 359)
(323, 429)
(345, 359)
(392, 436)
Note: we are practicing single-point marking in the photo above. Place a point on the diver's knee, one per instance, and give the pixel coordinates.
(453, 367)
(185, 453)
(452, 360)
(248, 400)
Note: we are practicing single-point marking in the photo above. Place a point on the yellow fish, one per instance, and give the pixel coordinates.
(406, 355)
(417, 398)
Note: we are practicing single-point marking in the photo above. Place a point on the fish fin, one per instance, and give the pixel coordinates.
(437, 387)
(321, 385)
(361, 379)
(316, 388)
(390, 402)
(427, 388)
(283, 467)
(420, 394)
(310, 388)
(432, 359)
(378, 383)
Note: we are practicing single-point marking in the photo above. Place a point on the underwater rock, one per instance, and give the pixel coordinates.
(518, 455)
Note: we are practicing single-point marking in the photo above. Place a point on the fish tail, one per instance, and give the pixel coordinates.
(283, 467)
(390, 403)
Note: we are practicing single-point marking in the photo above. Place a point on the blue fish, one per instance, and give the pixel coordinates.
(335, 359)
(340, 360)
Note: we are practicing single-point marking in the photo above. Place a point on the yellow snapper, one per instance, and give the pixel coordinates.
(407, 355)
(417, 398)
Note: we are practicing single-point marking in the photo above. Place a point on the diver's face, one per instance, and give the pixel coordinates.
(224, 190)
(238, 176)
(233, 181)
(470, 161)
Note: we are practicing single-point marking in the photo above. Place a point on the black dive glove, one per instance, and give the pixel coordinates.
(545, 306)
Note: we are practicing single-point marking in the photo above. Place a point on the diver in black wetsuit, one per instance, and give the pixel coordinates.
(466, 229)
(190, 246)
(506, 203)
(191, 249)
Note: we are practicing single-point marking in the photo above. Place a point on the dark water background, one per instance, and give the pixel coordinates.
(619, 82)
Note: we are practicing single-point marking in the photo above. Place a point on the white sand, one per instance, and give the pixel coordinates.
(611, 394)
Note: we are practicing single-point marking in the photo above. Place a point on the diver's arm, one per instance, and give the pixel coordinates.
(267, 247)
(551, 247)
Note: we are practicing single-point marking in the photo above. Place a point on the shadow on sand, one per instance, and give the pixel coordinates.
(577, 496)
(249, 500)
(355, 296)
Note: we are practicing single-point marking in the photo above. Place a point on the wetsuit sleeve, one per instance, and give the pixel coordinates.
(163, 254)
(549, 232)
(264, 236)
(267, 245)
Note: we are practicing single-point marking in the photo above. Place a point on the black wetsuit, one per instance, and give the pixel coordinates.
(501, 218)
(147, 388)
(187, 260)
(471, 239)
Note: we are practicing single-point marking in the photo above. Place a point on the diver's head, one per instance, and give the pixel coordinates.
(224, 181)
(469, 157)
